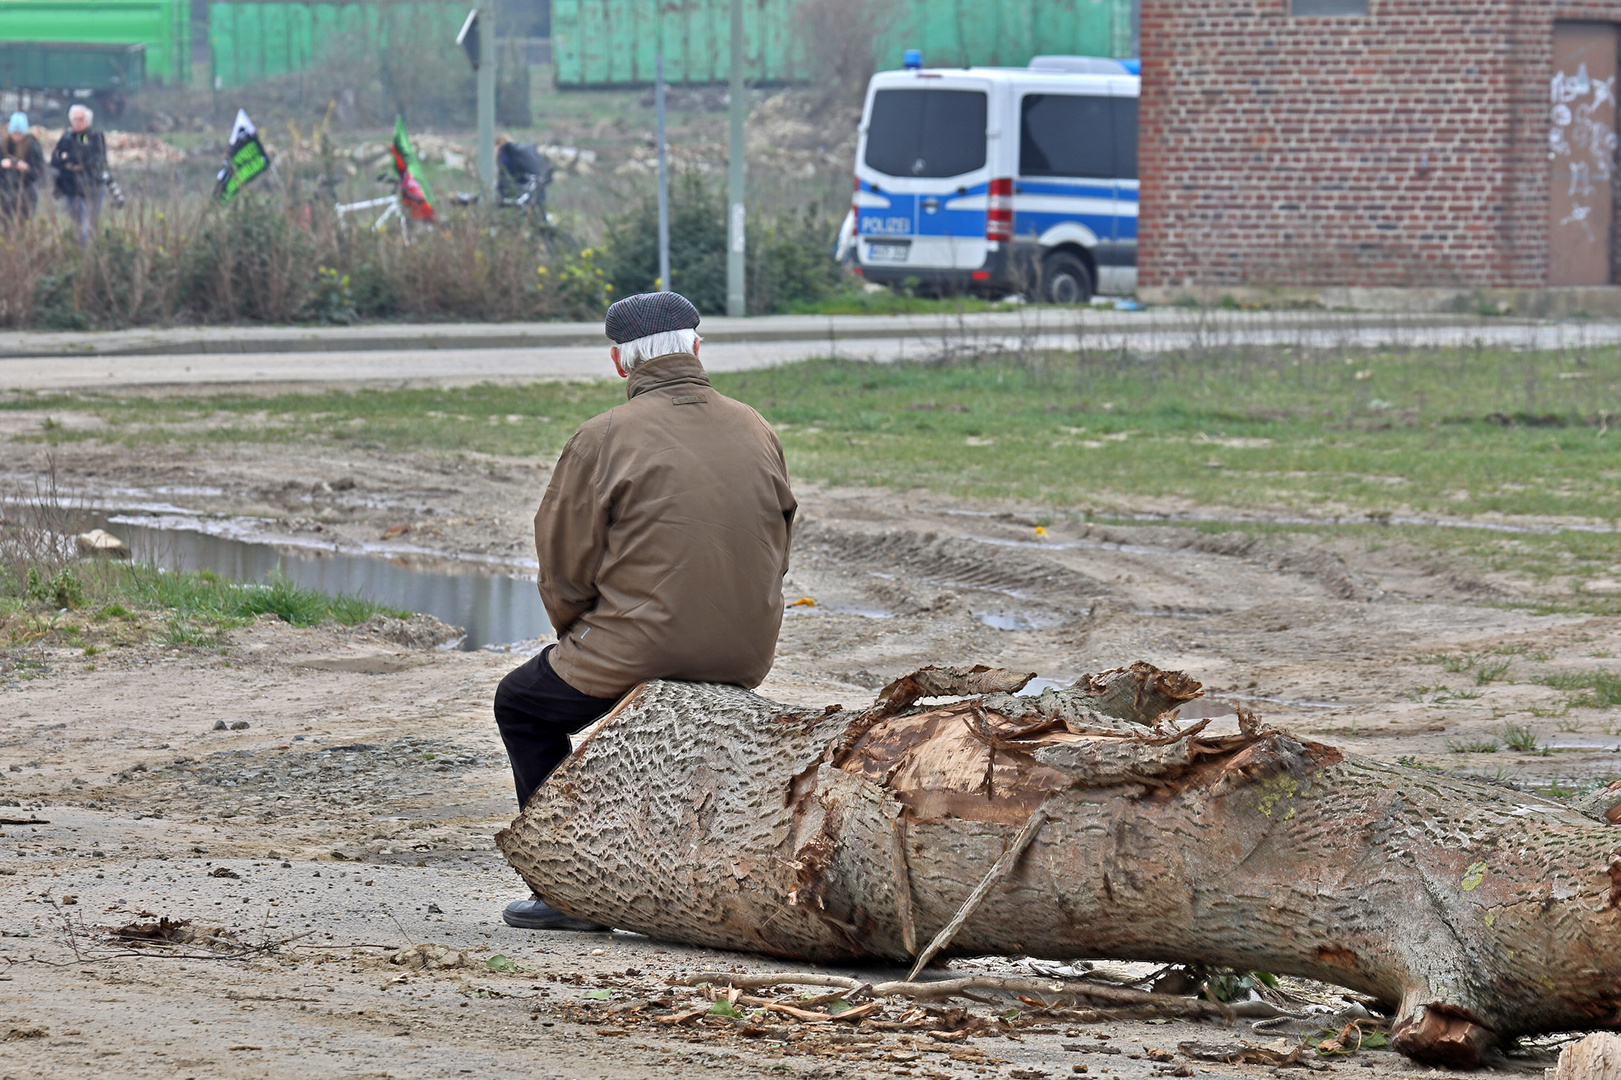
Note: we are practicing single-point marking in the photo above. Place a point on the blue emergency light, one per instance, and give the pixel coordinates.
(912, 59)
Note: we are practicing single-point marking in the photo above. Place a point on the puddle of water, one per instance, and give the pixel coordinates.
(494, 608)
(1588, 743)
(1002, 620)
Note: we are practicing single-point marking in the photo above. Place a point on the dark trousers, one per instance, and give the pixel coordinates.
(537, 711)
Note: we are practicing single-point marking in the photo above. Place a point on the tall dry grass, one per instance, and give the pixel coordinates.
(273, 257)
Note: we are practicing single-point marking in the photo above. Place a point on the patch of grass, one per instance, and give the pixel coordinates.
(195, 608)
(1556, 790)
(890, 302)
(1588, 689)
(1487, 672)
(1520, 737)
(1452, 662)
(1474, 746)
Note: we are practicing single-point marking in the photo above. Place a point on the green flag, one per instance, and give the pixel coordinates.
(245, 159)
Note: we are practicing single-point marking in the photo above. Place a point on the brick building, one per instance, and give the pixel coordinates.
(1433, 144)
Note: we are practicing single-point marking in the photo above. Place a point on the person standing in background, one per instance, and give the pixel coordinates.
(22, 163)
(80, 161)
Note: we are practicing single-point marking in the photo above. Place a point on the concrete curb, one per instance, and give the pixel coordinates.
(205, 341)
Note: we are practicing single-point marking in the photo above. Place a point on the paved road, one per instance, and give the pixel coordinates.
(460, 354)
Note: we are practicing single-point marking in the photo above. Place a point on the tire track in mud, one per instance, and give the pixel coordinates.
(1324, 567)
(952, 562)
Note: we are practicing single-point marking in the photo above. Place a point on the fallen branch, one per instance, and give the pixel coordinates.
(1164, 1004)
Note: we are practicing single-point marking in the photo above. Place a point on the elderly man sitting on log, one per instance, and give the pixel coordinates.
(663, 540)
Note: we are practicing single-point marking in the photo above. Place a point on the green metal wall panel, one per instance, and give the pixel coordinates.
(1004, 33)
(252, 41)
(163, 26)
(613, 42)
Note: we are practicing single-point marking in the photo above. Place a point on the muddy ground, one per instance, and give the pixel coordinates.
(355, 811)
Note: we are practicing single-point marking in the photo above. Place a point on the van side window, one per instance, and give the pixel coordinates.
(926, 132)
(1068, 135)
(1125, 138)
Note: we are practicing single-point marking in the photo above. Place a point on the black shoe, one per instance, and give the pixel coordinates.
(535, 914)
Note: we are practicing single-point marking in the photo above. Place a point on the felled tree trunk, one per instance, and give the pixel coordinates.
(709, 815)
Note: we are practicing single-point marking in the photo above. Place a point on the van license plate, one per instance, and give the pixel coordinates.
(888, 252)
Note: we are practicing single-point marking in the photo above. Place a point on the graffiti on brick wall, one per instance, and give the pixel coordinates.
(1582, 132)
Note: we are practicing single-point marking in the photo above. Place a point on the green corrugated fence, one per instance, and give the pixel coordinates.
(163, 26)
(253, 41)
(614, 42)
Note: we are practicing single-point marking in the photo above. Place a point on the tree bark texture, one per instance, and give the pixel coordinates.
(709, 815)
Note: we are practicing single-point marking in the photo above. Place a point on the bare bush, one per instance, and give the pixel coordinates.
(839, 36)
(38, 521)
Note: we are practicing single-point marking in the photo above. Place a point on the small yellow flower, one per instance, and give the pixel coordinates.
(1041, 530)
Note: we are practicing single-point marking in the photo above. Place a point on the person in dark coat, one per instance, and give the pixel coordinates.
(22, 163)
(80, 161)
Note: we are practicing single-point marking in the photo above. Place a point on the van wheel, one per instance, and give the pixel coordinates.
(1065, 280)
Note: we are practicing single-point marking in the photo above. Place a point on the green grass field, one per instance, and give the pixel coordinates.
(1459, 434)
(1454, 433)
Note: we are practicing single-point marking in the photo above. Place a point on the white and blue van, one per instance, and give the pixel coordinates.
(1000, 180)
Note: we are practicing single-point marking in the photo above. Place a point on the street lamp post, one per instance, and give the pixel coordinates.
(734, 173)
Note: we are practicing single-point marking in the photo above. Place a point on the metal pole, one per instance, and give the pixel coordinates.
(486, 99)
(735, 306)
(664, 177)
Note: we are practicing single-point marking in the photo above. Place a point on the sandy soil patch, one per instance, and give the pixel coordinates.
(357, 807)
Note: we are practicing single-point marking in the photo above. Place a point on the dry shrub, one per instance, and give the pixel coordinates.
(268, 257)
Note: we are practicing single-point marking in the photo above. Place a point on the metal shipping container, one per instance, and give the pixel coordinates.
(163, 26)
(257, 40)
(614, 42)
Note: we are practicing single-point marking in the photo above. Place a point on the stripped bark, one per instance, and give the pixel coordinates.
(709, 815)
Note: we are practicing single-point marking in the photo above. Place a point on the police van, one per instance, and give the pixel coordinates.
(1000, 180)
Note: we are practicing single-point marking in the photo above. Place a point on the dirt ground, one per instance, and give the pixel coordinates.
(356, 809)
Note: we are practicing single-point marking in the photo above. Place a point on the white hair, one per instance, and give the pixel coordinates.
(638, 350)
(76, 110)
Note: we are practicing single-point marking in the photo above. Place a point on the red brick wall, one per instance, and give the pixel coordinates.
(1407, 147)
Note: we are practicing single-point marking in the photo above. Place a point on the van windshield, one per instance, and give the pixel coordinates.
(926, 132)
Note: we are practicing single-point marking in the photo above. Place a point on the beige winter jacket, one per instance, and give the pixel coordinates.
(663, 538)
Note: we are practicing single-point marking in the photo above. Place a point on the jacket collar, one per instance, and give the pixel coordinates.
(669, 370)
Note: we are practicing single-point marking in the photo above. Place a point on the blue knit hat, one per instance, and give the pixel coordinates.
(649, 313)
(18, 124)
